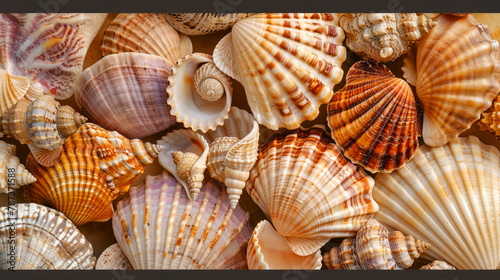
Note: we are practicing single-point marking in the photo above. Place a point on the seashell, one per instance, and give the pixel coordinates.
(13, 88)
(145, 33)
(47, 48)
(44, 239)
(308, 190)
(184, 163)
(457, 67)
(375, 248)
(374, 118)
(207, 82)
(383, 37)
(34, 91)
(448, 196)
(438, 265)
(203, 23)
(190, 108)
(11, 168)
(267, 249)
(186, 141)
(113, 258)
(126, 92)
(159, 227)
(289, 69)
(231, 162)
(491, 120)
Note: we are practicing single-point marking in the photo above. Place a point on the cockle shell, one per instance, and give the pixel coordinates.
(159, 227)
(438, 265)
(145, 33)
(374, 118)
(491, 120)
(308, 190)
(126, 92)
(267, 249)
(288, 64)
(12, 89)
(190, 108)
(47, 48)
(12, 173)
(375, 248)
(44, 239)
(230, 161)
(203, 23)
(383, 37)
(457, 68)
(186, 141)
(113, 258)
(448, 196)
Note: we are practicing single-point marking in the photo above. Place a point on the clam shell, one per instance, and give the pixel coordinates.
(448, 196)
(144, 33)
(159, 227)
(113, 258)
(44, 239)
(187, 105)
(47, 48)
(457, 67)
(203, 23)
(267, 249)
(10, 165)
(13, 88)
(373, 118)
(126, 92)
(308, 190)
(288, 64)
(438, 265)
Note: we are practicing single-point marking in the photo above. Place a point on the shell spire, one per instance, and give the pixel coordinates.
(185, 163)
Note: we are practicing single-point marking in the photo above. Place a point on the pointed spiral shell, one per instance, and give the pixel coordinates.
(217, 155)
(185, 163)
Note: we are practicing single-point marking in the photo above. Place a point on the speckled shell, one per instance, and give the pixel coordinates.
(308, 190)
(373, 118)
(457, 68)
(188, 106)
(113, 258)
(145, 33)
(448, 196)
(383, 37)
(48, 48)
(11, 168)
(159, 227)
(438, 265)
(375, 248)
(288, 64)
(203, 23)
(491, 120)
(12, 89)
(267, 249)
(126, 92)
(44, 239)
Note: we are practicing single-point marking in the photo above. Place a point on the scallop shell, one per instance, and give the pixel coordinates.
(159, 227)
(448, 196)
(47, 48)
(438, 265)
(267, 249)
(375, 248)
(203, 23)
(288, 64)
(187, 105)
(144, 33)
(491, 120)
(126, 92)
(11, 168)
(383, 37)
(185, 140)
(457, 67)
(374, 118)
(113, 258)
(13, 88)
(308, 190)
(44, 239)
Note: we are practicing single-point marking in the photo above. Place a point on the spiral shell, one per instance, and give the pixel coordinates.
(11, 168)
(209, 82)
(202, 23)
(217, 153)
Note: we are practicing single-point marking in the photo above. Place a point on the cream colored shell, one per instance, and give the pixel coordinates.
(12, 89)
(203, 23)
(438, 265)
(113, 258)
(12, 173)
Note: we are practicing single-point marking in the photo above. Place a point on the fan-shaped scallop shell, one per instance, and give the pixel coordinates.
(159, 227)
(12, 173)
(185, 140)
(126, 92)
(374, 118)
(42, 238)
(375, 248)
(49, 48)
(267, 249)
(113, 258)
(203, 23)
(457, 68)
(438, 265)
(190, 107)
(309, 191)
(145, 33)
(448, 196)
(12, 89)
(288, 64)
(383, 36)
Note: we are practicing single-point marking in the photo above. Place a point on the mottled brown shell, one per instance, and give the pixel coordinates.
(438, 265)
(203, 23)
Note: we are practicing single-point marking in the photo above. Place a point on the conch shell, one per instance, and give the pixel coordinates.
(375, 248)
(12, 173)
(203, 23)
(113, 258)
